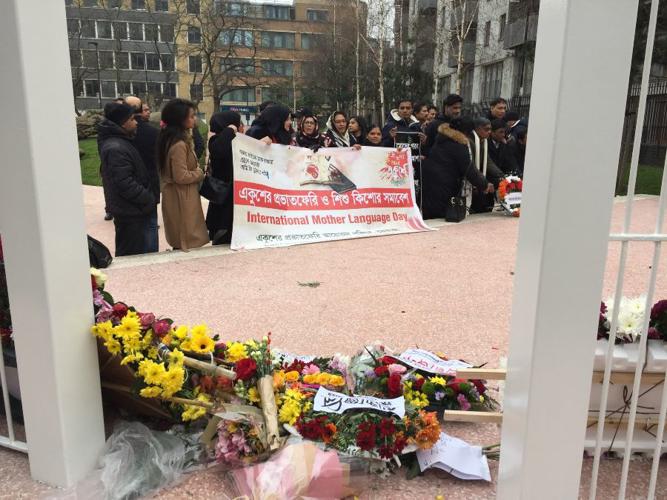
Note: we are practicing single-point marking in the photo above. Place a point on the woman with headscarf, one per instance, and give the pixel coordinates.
(274, 126)
(220, 218)
(308, 132)
(337, 131)
(357, 130)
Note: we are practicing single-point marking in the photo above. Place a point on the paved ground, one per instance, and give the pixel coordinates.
(448, 290)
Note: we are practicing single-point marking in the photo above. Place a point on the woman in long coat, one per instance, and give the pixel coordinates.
(220, 218)
(182, 212)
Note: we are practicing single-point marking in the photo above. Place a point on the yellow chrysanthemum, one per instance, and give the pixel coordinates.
(172, 381)
(132, 342)
(150, 392)
(336, 381)
(236, 352)
(186, 345)
(148, 338)
(200, 330)
(132, 358)
(103, 330)
(154, 373)
(253, 395)
(201, 343)
(438, 380)
(181, 332)
(292, 376)
(113, 346)
(130, 324)
(176, 358)
(152, 353)
(289, 412)
(166, 340)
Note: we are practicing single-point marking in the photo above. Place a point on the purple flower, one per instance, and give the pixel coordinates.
(653, 333)
(439, 395)
(658, 309)
(463, 402)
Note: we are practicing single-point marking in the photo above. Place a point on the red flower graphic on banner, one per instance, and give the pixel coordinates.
(396, 169)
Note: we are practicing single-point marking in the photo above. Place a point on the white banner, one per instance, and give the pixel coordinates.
(286, 195)
(335, 402)
(429, 362)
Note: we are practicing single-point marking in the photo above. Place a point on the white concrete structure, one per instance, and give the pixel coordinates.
(563, 235)
(44, 241)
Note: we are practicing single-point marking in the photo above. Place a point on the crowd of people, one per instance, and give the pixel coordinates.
(143, 166)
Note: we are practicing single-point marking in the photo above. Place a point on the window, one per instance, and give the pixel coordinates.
(120, 31)
(193, 7)
(238, 66)
(108, 89)
(466, 84)
(194, 64)
(162, 5)
(487, 33)
(138, 60)
(241, 38)
(136, 31)
(167, 32)
(310, 41)
(103, 29)
(112, 4)
(77, 86)
(122, 60)
(87, 28)
(138, 4)
(72, 27)
(151, 32)
(89, 59)
(278, 68)
(169, 90)
(153, 62)
(194, 34)
(233, 9)
(167, 62)
(92, 88)
(320, 16)
(239, 95)
(89, 3)
(196, 92)
(277, 94)
(492, 81)
(106, 59)
(277, 40)
(275, 12)
(139, 88)
(75, 58)
(501, 28)
(154, 88)
(123, 88)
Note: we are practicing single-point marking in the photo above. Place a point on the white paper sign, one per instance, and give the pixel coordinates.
(335, 402)
(457, 457)
(429, 362)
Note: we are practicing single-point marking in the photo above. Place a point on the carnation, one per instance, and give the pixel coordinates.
(396, 368)
(394, 385)
(245, 368)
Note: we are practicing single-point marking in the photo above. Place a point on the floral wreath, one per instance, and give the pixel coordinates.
(510, 184)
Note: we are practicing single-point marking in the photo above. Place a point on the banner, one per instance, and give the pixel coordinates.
(429, 362)
(334, 402)
(285, 195)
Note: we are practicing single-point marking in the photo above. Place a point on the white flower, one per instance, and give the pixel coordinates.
(100, 277)
(628, 324)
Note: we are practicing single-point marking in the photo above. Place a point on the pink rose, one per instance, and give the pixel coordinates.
(161, 328)
(147, 319)
(396, 368)
(310, 370)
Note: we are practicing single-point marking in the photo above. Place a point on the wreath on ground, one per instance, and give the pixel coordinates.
(509, 195)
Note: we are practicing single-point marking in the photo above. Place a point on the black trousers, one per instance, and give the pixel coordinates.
(131, 234)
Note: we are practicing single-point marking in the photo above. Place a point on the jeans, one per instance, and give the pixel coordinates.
(130, 235)
(152, 238)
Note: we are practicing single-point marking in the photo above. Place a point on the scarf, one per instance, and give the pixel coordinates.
(341, 141)
(478, 153)
(312, 141)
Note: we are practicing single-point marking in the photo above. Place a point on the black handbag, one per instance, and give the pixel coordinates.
(455, 211)
(215, 190)
(98, 254)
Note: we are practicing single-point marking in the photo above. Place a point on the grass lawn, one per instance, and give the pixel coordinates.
(90, 163)
(649, 178)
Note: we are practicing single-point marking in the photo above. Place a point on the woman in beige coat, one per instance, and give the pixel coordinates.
(182, 213)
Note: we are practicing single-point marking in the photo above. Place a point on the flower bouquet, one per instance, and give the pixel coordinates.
(509, 194)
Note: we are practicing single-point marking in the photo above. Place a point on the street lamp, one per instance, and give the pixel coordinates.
(99, 81)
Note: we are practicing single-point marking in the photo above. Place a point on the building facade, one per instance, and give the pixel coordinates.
(497, 54)
(121, 47)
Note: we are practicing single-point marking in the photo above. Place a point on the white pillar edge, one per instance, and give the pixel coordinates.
(580, 82)
(43, 231)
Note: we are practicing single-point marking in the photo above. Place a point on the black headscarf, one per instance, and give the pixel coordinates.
(312, 141)
(363, 129)
(271, 122)
(223, 119)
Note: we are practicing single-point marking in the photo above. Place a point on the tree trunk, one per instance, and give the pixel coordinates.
(459, 67)
(356, 74)
(381, 80)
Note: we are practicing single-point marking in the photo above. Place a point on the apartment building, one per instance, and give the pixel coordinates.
(120, 47)
(497, 53)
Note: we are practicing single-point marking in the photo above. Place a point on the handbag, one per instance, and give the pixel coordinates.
(455, 211)
(98, 254)
(213, 189)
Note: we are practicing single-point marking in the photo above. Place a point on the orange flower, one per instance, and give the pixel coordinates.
(330, 432)
(429, 434)
(278, 379)
(292, 376)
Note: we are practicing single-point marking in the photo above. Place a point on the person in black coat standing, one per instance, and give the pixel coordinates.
(129, 195)
(451, 108)
(220, 218)
(273, 126)
(145, 140)
(449, 164)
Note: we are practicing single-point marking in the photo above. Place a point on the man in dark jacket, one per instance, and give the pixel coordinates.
(451, 108)
(399, 120)
(145, 140)
(500, 152)
(482, 161)
(497, 110)
(130, 199)
(515, 124)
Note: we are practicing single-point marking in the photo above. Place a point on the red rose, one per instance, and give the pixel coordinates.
(161, 327)
(147, 319)
(119, 310)
(387, 360)
(418, 384)
(245, 368)
(479, 385)
(381, 371)
(394, 385)
(387, 427)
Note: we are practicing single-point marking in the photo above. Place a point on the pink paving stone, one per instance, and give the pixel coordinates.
(448, 290)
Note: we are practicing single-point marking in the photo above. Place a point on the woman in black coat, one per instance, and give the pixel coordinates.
(220, 218)
(308, 133)
(447, 166)
(275, 123)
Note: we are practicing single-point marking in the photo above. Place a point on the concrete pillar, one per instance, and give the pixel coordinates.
(42, 226)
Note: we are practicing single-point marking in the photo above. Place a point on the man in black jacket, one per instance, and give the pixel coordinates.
(130, 199)
(451, 108)
(145, 140)
(500, 151)
(399, 120)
